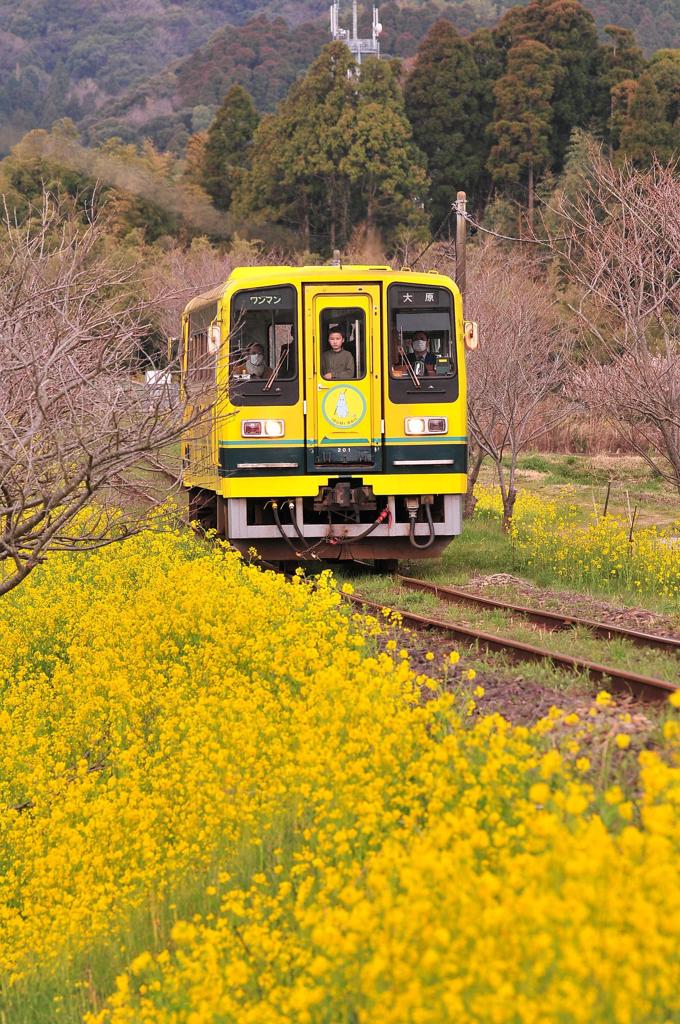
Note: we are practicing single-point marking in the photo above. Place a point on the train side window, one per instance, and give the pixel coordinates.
(201, 363)
(342, 336)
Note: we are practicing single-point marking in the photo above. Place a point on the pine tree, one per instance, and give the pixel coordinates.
(442, 96)
(295, 178)
(523, 125)
(228, 146)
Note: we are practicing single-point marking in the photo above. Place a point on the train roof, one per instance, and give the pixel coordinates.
(263, 275)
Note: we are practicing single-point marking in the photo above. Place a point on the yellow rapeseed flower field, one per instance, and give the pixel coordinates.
(213, 785)
(548, 534)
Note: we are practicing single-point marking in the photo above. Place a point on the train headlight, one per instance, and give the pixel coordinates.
(274, 428)
(262, 428)
(437, 424)
(414, 425)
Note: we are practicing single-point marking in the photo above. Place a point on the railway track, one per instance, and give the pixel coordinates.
(546, 619)
(645, 688)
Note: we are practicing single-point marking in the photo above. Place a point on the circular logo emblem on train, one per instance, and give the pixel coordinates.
(343, 406)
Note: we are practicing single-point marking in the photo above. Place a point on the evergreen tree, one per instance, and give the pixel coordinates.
(622, 63)
(296, 178)
(442, 97)
(337, 151)
(623, 58)
(56, 97)
(194, 158)
(321, 138)
(385, 169)
(227, 147)
(569, 32)
(647, 133)
(664, 67)
(523, 124)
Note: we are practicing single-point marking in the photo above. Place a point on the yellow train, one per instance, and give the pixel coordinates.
(326, 412)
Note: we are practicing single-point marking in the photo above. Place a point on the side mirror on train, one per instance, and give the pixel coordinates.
(214, 338)
(471, 335)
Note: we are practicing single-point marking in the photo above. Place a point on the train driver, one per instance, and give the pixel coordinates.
(421, 353)
(337, 363)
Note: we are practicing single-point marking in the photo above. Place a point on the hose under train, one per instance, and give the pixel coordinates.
(329, 540)
(412, 532)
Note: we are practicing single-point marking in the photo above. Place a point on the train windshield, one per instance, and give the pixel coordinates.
(262, 341)
(422, 344)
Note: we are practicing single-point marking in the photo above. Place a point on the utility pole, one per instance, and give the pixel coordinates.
(461, 238)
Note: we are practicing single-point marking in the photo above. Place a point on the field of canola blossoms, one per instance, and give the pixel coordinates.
(216, 789)
(550, 535)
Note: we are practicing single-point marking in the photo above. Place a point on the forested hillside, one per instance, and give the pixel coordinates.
(264, 55)
(71, 57)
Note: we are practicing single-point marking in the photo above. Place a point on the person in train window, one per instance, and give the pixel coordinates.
(254, 362)
(337, 363)
(421, 353)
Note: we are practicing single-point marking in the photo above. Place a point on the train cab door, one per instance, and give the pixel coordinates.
(343, 367)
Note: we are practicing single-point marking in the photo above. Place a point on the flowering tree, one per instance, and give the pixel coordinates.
(618, 242)
(77, 428)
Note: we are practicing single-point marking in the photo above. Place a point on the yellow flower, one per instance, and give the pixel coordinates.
(454, 657)
(674, 699)
(539, 793)
(623, 741)
(429, 656)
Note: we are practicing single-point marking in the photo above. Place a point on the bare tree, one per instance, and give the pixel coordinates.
(618, 242)
(76, 423)
(183, 273)
(516, 376)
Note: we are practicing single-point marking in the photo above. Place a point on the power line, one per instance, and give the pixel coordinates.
(509, 238)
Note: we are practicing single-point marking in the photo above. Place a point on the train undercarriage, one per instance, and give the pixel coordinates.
(345, 521)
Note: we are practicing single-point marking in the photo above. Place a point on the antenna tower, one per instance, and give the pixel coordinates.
(358, 47)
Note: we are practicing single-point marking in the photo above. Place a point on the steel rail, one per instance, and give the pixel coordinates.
(542, 617)
(644, 687)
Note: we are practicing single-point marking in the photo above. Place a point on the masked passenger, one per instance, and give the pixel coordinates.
(254, 363)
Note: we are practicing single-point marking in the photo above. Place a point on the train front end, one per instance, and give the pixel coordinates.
(335, 412)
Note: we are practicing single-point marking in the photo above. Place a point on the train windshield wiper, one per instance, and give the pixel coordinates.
(277, 369)
(412, 372)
